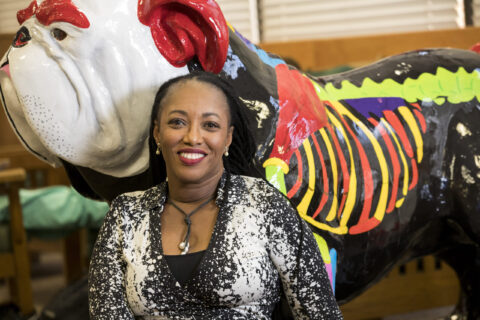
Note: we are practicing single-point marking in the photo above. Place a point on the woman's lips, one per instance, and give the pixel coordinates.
(191, 157)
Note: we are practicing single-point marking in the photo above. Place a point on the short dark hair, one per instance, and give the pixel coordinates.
(241, 159)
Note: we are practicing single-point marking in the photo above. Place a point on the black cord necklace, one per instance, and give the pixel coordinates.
(185, 244)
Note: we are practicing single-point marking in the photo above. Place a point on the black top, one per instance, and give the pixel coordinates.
(183, 266)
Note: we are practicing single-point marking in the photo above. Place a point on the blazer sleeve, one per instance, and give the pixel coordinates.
(106, 286)
(297, 258)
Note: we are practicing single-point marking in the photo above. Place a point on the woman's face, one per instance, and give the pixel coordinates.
(193, 131)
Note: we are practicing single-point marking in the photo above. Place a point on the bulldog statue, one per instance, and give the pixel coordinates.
(382, 161)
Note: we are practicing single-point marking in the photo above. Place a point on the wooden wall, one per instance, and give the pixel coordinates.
(356, 51)
(7, 137)
(5, 42)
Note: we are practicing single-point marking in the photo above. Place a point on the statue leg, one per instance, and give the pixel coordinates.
(463, 234)
(465, 260)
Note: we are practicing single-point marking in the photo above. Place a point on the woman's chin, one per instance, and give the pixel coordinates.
(192, 175)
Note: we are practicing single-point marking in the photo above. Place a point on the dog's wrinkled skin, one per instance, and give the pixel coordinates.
(100, 83)
(382, 161)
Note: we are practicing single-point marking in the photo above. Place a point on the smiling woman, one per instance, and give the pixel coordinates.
(192, 139)
(207, 242)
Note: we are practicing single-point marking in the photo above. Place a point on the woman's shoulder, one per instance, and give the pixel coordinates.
(258, 193)
(258, 186)
(140, 200)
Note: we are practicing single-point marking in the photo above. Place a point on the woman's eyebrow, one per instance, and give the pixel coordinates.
(208, 114)
(204, 115)
(178, 111)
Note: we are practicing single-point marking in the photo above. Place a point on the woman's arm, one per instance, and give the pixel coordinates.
(106, 294)
(297, 258)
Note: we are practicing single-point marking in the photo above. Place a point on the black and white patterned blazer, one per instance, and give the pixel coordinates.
(259, 246)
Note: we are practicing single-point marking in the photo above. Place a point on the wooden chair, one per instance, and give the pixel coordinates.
(15, 264)
(40, 174)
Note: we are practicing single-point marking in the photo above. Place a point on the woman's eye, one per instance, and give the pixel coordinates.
(176, 122)
(59, 34)
(212, 125)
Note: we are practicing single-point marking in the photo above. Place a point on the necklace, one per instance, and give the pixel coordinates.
(185, 244)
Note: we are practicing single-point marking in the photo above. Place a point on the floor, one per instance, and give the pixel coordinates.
(47, 280)
(432, 314)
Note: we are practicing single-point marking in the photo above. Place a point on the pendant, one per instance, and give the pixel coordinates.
(184, 247)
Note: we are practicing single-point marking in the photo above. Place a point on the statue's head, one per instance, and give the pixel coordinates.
(79, 80)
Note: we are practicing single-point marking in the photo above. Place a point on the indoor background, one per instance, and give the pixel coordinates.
(296, 29)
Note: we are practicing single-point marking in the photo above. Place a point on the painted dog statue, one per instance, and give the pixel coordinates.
(382, 161)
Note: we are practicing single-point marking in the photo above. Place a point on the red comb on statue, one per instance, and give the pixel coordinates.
(27, 13)
(182, 29)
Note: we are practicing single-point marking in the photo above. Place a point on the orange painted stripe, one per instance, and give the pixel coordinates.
(421, 119)
(398, 127)
(367, 173)
(297, 184)
(414, 175)
(417, 106)
(343, 165)
(324, 198)
(365, 226)
(395, 163)
(352, 186)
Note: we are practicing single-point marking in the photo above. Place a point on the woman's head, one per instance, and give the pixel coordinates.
(195, 119)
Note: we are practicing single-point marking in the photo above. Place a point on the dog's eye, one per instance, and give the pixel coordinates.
(59, 34)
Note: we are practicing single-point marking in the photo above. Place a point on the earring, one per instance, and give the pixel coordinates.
(158, 152)
(226, 152)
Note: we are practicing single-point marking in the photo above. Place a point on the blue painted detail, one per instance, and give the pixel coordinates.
(272, 62)
(233, 64)
(261, 53)
(250, 45)
(274, 103)
(333, 261)
(366, 106)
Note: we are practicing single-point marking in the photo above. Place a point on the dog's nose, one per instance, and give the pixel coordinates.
(21, 38)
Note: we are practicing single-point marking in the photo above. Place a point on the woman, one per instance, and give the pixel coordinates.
(206, 243)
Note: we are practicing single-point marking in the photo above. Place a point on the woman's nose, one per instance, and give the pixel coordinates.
(193, 135)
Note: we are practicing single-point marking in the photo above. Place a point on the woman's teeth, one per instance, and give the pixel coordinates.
(192, 156)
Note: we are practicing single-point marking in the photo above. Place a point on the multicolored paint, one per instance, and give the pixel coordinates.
(311, 124)
(349, 154)
(399, 153)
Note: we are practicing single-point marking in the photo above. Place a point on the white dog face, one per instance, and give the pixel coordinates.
(79, 83)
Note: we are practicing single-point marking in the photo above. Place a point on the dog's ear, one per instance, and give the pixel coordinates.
(182, 29)
(26, 13)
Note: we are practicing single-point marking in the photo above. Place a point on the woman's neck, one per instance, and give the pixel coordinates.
(193, 192)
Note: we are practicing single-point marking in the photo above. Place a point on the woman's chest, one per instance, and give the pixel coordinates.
(235, 270)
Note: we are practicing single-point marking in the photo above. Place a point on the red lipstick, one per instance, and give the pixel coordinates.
(191, 157)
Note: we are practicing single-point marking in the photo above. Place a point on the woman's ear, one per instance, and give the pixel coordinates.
(230, 136)
(156, 132)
